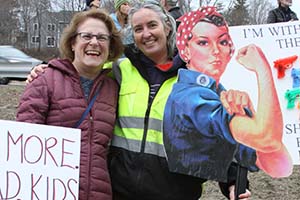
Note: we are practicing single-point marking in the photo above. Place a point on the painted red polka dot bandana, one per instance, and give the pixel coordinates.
(189, 20)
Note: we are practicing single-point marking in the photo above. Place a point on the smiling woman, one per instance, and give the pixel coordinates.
(70, 86)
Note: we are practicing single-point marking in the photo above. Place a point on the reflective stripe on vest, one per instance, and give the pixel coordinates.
(133, 102)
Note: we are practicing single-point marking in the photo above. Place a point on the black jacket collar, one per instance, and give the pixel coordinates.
(142, 63)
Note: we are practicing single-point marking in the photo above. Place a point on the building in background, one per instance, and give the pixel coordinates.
(45, 29)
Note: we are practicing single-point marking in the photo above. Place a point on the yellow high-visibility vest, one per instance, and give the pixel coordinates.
(139, 128)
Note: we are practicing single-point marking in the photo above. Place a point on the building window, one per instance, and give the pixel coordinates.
(35, 39)
(50, 41)
(35, 26)
(51, 27)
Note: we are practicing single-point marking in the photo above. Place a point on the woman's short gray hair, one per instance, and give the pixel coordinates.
(166, 19)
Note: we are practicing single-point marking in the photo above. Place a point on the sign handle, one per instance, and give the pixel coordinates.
(241, 181)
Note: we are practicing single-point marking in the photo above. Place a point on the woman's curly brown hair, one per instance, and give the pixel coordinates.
(70, 32)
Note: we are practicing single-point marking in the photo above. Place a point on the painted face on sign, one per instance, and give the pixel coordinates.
(209, 49)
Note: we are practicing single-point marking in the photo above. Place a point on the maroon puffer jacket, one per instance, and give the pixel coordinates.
(56, 98)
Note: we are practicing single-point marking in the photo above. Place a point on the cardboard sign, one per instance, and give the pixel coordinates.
(38, 161)
(238, 100)
(278, 41)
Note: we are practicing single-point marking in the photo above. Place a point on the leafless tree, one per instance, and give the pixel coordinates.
(217, 3)
(9, 22)
(207, 2)
(70, 5)
(26, 12)
(259, 11)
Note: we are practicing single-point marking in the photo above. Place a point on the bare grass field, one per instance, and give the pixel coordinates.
(262, 186)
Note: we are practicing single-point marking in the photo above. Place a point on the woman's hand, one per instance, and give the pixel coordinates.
(35, 72)
(245, 196)
(235, 102)
(252, 58)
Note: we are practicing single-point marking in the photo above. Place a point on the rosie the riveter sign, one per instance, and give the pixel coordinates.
(38, 161)
(257, 65)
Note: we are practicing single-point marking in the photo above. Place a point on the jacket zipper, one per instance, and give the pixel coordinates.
(90, 156)
(90, 138)
(146, 124)
(139, 179)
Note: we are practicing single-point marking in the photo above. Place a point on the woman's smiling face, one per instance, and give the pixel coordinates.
(90, 54)
(150, 35)
(209, 50)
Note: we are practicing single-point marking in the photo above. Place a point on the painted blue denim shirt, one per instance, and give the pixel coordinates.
(197, 136)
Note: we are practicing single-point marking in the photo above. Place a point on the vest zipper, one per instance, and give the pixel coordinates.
(146, 124)
(146, 120)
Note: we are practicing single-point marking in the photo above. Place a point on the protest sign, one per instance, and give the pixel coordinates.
(237, 101)
(38, 161)
(279, 42)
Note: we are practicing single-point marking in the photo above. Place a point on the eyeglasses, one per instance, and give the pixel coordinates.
(89, 36)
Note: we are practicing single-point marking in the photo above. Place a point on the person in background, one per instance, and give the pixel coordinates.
(92, 4)
(63, 92)
(137, 160)
(119, 17)
(173, 9)
(282, 13)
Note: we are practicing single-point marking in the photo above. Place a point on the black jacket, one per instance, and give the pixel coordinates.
(281, 14)
(176, 12)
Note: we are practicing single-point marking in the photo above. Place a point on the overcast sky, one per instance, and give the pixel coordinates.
(295, 7)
